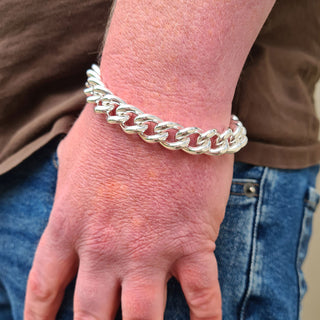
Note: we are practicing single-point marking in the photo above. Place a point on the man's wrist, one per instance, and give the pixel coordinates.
(152, 129)
(172, 65)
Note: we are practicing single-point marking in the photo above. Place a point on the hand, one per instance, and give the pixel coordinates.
(127, 216)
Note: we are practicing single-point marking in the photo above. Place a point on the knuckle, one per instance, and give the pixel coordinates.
(98, 242)
(96, 249)
(39, 288)
(203, 304)
(200, 299)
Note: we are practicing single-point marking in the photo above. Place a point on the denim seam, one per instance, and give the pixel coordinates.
(297, 261)
(311, 203)
(254, 246)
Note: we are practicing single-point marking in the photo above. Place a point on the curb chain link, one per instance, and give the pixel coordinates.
(210, 142)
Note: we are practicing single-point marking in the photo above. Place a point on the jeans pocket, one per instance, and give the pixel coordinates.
(234, 244)
(311, 201)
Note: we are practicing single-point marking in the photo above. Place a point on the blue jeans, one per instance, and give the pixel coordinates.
(260, 249)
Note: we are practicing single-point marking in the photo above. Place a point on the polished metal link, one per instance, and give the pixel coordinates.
(117, 111)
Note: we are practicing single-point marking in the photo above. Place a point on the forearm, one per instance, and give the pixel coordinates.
(180, 58)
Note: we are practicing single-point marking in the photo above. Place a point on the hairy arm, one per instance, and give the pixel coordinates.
(127, 215)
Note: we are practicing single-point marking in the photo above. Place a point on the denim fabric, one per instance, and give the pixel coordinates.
(261, 247)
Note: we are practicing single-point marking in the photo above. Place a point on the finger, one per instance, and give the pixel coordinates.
(144, 298)
(198, 276)
(97, 294)
(52, 270)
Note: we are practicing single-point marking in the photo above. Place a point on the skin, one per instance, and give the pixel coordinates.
(128, 215)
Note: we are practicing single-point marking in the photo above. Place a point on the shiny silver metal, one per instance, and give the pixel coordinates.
(250, 190)
(117, 111)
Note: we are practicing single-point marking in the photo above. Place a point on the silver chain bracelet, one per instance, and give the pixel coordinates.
(132, 120)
